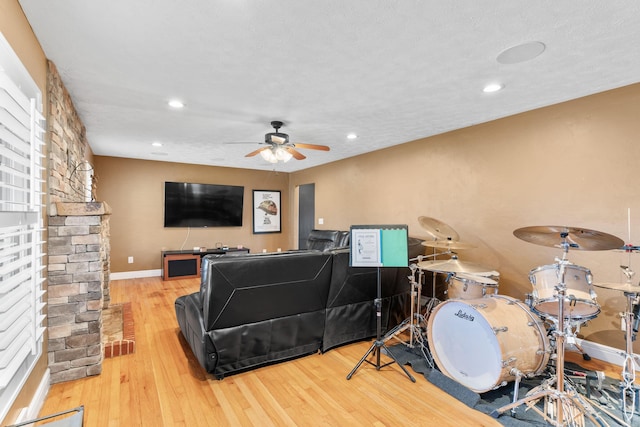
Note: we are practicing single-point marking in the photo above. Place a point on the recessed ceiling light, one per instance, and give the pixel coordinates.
(493, 87)
(176, 103)
(352, 136)
(157, 144)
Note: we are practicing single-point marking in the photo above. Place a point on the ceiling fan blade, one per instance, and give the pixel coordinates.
(296, 154)
(253, 153)
(311, 146)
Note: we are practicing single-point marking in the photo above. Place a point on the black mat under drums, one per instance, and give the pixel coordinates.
(605, 402)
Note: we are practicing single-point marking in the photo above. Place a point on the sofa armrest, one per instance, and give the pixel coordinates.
(191, 323)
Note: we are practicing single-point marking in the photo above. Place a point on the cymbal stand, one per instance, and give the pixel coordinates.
(416, 335)
(434, 300)
(630, 393)
(562, 407)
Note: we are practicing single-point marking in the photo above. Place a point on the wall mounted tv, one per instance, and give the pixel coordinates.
(202, 205)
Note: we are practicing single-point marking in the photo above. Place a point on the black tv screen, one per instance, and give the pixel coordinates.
(202, 205)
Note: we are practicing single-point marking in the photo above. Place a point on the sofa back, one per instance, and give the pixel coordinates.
(323, 240)
(252, 288)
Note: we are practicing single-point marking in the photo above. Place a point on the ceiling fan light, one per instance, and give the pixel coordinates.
(269, 156)
(283, 155)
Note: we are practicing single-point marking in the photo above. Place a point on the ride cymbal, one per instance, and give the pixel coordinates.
(438, 229)
(447, 244)
(454, 265)
(577, 238)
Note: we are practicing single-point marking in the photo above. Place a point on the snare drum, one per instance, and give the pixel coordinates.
(470, 286)
(580, 298)
(484, 343)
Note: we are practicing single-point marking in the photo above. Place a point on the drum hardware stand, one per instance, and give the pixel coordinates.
(559, 404)
(379, 343)
(630, 393)
(434, 255)
(571, 336)
(416, 335)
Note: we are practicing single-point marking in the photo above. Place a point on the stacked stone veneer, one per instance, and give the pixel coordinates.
(78, 288)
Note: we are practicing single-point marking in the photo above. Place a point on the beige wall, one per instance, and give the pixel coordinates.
(135, 191)
(572, 164)
(17, 31)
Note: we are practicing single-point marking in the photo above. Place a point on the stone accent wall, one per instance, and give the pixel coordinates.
(78, 254)
(78, 245)
(68, 147)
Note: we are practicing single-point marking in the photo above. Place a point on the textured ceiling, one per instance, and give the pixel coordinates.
(391, 71)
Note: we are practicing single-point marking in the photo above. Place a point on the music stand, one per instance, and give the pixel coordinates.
(379, 246)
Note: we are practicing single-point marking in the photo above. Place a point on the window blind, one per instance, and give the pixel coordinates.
(22, 129)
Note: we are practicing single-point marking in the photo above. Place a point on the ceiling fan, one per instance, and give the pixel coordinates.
(279, 148)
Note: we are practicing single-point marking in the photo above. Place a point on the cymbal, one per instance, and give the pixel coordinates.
(624, 287)
(454, 265)
(476, 278)
(438, 229)
(577, 238)
(447, 244)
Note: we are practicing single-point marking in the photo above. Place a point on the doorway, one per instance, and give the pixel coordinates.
(306, 213)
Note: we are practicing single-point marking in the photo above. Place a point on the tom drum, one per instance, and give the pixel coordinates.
(482, 343)
(470, 286)
(580, 298)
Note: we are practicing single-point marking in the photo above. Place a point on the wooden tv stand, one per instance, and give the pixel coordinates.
(186, 264)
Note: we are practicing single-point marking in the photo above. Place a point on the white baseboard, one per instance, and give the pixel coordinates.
(37, 402)
(135, 274)
(605, 353)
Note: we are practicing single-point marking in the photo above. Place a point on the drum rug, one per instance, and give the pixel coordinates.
(603, 400)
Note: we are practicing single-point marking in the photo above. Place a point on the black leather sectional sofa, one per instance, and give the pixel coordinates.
(257, 309)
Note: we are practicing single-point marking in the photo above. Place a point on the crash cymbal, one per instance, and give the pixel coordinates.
(438, 229)
(623, 287)
(447, 244)
(577, 238)
(454, 265)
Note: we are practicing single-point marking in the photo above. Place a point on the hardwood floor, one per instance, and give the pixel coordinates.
(162, 384)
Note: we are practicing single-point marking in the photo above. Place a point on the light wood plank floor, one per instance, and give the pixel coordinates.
(162, 384)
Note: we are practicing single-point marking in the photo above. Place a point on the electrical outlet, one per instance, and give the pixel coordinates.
(320, 221)
(130, 260)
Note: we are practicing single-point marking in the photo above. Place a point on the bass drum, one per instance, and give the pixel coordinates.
(481, 343)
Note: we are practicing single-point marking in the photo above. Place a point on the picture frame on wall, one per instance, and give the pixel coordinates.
(266, 212)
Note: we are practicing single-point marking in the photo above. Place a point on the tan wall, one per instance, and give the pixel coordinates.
(16, 29)
(572, 164)
(135, 191)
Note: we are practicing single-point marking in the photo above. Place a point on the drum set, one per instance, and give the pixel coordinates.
(484, 340)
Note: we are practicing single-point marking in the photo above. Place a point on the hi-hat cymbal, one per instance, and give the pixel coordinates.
(577, 238)
(447, 244)
(624, 287)
(438, 229)
(454, 265)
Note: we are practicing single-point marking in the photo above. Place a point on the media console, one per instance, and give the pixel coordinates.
(186, 264)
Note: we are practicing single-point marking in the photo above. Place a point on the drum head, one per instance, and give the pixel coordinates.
(464, 345)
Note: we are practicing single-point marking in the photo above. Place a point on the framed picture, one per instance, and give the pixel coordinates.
(266, 212)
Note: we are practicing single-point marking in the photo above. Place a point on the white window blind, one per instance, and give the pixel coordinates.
(21, 226)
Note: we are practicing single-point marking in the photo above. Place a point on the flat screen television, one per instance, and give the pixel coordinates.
(202, 205)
